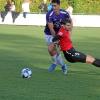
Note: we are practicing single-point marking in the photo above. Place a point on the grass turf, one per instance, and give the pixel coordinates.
(22, 46)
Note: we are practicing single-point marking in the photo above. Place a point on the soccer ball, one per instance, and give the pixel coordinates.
(26, 73)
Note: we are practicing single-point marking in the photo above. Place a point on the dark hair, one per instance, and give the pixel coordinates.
(56, 1)
(67, 20)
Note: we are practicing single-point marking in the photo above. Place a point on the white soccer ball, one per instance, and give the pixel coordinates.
(26, 73)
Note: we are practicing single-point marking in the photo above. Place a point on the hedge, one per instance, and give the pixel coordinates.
(79, 6)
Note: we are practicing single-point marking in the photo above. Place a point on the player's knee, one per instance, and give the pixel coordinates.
(90, 59)
(51, 49)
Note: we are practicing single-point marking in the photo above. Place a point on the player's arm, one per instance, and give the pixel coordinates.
(58, 36)
(50, 23)
(51, 27)
(56, 39)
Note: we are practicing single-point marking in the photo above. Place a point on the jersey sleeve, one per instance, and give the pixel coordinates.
(49, 18)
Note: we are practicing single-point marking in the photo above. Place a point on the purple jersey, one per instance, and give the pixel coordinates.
(51, 17)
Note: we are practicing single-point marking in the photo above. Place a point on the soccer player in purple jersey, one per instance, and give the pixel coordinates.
(53, 24)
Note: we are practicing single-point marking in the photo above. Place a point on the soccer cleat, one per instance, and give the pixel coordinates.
(52, 67)
(65, 69)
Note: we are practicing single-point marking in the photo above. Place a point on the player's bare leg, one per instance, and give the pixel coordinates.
(92, 60)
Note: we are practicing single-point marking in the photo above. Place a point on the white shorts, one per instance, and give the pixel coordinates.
(48, 39)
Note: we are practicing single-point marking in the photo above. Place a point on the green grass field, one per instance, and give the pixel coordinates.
(22, 46)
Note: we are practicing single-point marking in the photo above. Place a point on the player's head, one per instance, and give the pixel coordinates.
(56, 5)
(66, 23)
(56, 1)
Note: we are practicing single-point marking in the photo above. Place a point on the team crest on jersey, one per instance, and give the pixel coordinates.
(57, 24)
(60, 33)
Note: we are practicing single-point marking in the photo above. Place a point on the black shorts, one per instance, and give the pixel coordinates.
(74, 56)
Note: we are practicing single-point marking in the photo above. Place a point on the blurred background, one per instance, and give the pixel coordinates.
(40, 6)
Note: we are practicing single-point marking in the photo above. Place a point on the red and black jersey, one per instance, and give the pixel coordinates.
(65, 40)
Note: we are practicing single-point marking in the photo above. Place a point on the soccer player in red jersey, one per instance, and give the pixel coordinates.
(72, 55)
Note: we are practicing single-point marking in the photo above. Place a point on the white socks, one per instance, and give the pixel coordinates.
(58, 59)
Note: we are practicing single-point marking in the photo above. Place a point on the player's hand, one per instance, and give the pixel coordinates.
(55, 40)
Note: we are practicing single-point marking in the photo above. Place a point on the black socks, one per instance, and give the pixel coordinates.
(96, 63)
